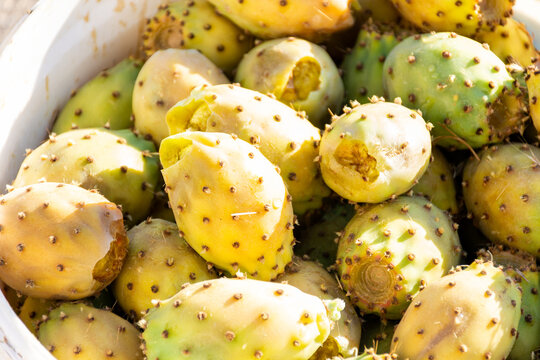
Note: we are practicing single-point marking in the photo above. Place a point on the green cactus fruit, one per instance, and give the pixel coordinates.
(437, 183)
(377, 333)
(237, 319)
(313, 279)
(166, 78)
(59, 241)
(118, 164)
(284, 136)
(374, 152)
(460, 86)
(34, 310)
(502, 186)
(299, 73)
(78, 331)
(308, 19)
(219, 186)
(464, 16)
(14, 298)
(195, 24)
(104, 101)
(381, 11)
(158, 263)
(319, 240)
(533, 87)
(468, 314)
(388, 253)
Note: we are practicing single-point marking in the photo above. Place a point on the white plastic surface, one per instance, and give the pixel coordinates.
(58, 47)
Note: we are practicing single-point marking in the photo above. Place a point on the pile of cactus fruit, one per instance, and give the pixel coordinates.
(290, 180)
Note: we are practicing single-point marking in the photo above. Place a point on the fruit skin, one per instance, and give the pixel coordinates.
(236, 319)
(374, 151)
(502, 186)
(443, 323)
(78, 331)
(104, 101)
(313, 279)
(307, 19)
(59, 241)
(158, 263)
(533, 87)
(167, 77)
(460, 86)
(437, 183)
(116, 163)
(219, 186)
(299, 73)
(388, 253)
(283, 136)
(463, 17)
(34, 310)
(195, 24)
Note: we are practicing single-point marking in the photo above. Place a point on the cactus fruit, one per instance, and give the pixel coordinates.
(78, 331)
(116, 163)
(104, 101)
(377, 334)
(313, 279)
(381, 11)
(158, 263)
(299, 73)
(309, 19)
(14, 298)
(219, 186)
(34, 310)
(459, 85)
(388, 253)
(464, 16)
(502, 185)
(533, 86)
(195, 24)
(285, 137)
(374, 151)
(59, 241)
(237, 319)
(469, 314)
(437, 183)
(166, 78)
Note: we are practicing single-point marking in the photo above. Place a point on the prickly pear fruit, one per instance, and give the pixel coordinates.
(14, 298)
(158, 263)
(389, 253)
(502, 185)
(202, 170)
(309, 19)
(460, 86)
(382, 11)
(116, 163)
(78, 331)
(533, 87)
(285, 137)
(374, 151)
(104, 101)
(166, 78)
(469, 314)
(313, 279)
(237, 319)
(80, 231)
(464, 16)
(299, 73)
(437, 183)
(377, 333)
(34, 310)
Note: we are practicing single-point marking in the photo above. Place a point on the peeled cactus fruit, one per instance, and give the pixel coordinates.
(59, 241)
(34, 310)
(377, 334)
(117, 163)
(104, 101)
(237, 319)
(166, 78)
(78, 331)
(391, 251)
(299, 73)
(469, 314)
(195, 24)
(502, 185)
(309, 19)
(158, 263)
(230, 203)
(283, 136)
(374, 151)
(533, 87)
(461, 87)
(313, 279)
